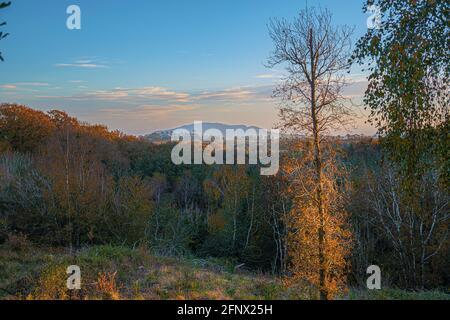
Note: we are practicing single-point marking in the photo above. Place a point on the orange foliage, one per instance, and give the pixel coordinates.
(23, 129)
(304, 224)
(106, 285)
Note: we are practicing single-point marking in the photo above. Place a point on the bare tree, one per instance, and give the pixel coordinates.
(2, 34)
(316, 57)
(415, 237)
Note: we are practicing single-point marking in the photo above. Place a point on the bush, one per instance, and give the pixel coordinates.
(18, 242)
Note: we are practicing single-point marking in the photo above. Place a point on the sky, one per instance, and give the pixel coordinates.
(143, 65)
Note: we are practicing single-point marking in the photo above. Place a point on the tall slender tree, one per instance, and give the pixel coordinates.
(315, 54)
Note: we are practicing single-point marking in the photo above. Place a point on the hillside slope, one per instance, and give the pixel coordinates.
(122, 273)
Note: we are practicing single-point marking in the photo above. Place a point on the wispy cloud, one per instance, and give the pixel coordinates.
(81, 65)
(156, 95)
(143, 93)
(84, 64)
(268, 76)
(147, 110)
(115, 94)
(8, 86)
(161, 93)
(136, 95)
(17, 85)
(232, 94)
(238, 94)
(33, 84)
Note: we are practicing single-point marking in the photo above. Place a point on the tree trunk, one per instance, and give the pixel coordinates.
(318, 168)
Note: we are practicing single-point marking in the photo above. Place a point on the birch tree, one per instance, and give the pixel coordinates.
(408, 96)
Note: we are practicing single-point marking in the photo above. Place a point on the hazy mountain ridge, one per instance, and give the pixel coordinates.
(166, 134)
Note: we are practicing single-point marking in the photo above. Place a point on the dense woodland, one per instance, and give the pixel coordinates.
(68, 183)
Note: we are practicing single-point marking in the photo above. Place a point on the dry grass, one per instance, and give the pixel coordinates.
(107, 287)
(122, 273)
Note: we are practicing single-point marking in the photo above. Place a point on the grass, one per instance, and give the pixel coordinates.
(112, 272)
(122, 273)
(397, 294)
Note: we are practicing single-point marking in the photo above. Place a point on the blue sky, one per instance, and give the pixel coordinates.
(142, 65)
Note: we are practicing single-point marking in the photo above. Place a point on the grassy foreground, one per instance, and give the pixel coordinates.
(122, 273)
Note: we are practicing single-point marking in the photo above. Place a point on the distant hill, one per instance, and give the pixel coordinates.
(165, 135)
